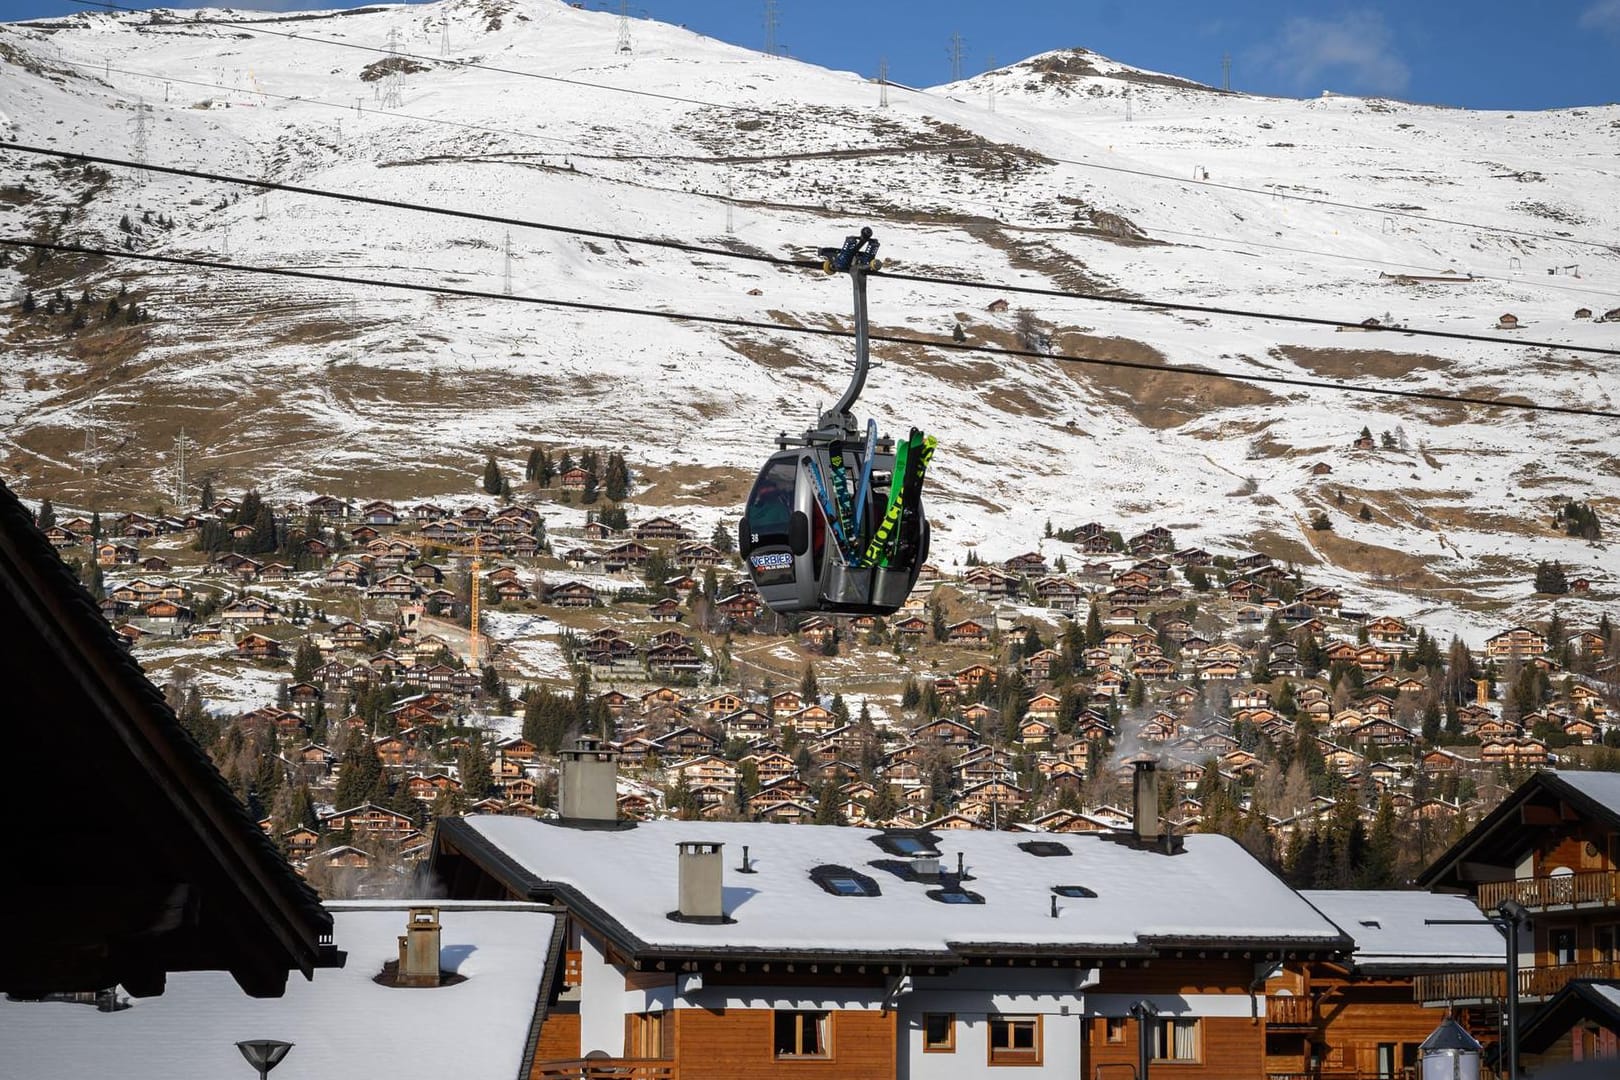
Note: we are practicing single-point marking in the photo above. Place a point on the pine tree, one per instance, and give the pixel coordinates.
(1551, 579)
(28, 304)
(531, 468)
(1431, 723)
(95, 524)
(264, 530)
(306, 662)
(1094, 628)
(545, 469)
(46, 518)
(588, 493)
(492, 476)
(206, 499)
(809, 689)
(361, 779)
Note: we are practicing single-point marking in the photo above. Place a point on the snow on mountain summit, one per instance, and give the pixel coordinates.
(533, 110)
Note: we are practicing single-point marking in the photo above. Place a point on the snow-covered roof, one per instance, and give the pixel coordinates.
(340, 1023)
(1393, 928)
(1600, 787)
(1212, 891)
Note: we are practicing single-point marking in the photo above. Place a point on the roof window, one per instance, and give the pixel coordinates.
(1045, 849)
(1075, 892)
(842, 881)
(955, 896)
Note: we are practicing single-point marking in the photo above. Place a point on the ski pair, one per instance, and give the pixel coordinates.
(911, 460)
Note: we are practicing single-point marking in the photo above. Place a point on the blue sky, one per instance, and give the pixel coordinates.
(1501, 54)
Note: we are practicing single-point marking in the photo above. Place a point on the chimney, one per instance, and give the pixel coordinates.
(1145, 808)
(419, 949)
(588, 789)
(701, 884)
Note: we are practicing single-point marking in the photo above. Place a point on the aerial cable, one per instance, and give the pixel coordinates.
(698, 249)
(815, 331)
(254, 27)
(572, 145)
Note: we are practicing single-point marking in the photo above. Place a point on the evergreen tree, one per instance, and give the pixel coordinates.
(1383, 849)
(475, 769)
(724, 538)
(306, 662)
(1431, 723)
(29, 304)
(493, 482)
(828, 808)
(95, 524)
(545, 469)
(1094, 627)
(1551, 579)
(46, 518)
(531, 469)
(809, 689)
(361, 778)
(588, 494)
(206, 499)
(264, 531)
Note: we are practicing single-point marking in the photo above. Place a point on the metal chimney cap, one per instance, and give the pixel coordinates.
(1450, 1035)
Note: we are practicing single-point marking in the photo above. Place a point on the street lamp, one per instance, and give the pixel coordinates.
(1510, 918)
(264, 1054)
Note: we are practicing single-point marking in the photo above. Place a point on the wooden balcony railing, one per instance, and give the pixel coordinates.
(1289, 1012)
(1589, 888)
(1537, 983)
(603, 1069)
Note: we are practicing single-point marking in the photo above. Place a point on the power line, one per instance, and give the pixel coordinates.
(814, 331)
(254, 28)
(356, 107)
(698, 249)
(957, 47)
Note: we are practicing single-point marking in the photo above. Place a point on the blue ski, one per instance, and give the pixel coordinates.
(863, 492)
(828, 507)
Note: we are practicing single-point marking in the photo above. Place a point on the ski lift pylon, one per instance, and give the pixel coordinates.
(834, 521)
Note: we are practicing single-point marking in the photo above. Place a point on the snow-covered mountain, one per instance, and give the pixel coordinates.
(1066, 170)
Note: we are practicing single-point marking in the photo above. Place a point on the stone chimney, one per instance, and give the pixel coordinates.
(701, 884)
(1145, 802)
(419, 949)
(588, 790)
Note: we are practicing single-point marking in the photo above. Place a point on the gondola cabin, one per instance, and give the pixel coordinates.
(818, 532)
(795, 553)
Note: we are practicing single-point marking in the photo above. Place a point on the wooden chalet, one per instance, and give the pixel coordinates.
(867, 953)
(162, 871)
(1553, 848)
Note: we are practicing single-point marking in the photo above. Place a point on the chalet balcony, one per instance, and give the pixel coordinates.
(1290, 1014)
(1535, 984)
(604, 1068)
(1587, 889)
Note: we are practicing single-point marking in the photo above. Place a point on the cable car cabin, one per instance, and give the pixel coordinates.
(794, 552)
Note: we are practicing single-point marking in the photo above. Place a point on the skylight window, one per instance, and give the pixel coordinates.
(1075, 892)
(1371, 923)
(907, 843)
(1045, 849)
(842, 881)
(955, 896)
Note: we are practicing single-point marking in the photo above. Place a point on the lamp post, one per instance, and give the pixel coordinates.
(264, 1054)
(1144, 1011)
(1510, 918)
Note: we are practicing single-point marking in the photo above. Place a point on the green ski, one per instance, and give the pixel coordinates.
(891, 514)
